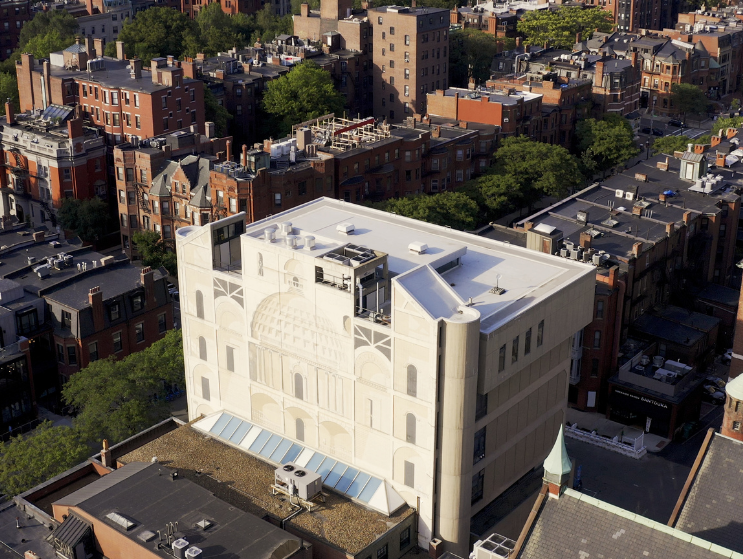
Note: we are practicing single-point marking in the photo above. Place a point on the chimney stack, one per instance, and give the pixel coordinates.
(75, 128)
(135, 68)
(228, 147)
(669, 228)
(38, 236)
(147, 277)
(585, 240)
(528, 225)
(518, 42)
(304, 10)
(637, 249)
(88, 46)
(99, 50)
(687, 218)
(120, 50)
(9, 114)
(106, 455)
(95, 300)
(719, 159)
(578, 37)
(244, 161)
(613, 273)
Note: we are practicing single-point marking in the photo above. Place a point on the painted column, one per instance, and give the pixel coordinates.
(458, 389)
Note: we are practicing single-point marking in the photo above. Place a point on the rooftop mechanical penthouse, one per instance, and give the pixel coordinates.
(376, 347)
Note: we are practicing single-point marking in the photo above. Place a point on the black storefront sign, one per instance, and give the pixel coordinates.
(639, 404)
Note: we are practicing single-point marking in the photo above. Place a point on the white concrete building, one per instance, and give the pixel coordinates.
(433, 359)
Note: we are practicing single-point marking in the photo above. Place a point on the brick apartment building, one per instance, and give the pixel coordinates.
(406, 50)
(13, 14)
(115, 94)
(484, 17)
(46, 158)
(161, 191)
(633, 15)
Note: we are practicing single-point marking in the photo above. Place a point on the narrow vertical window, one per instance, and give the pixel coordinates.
(412, 381)
(199, 304)
(298, 386)
(202, 348)
(300, 429)
(410, 425)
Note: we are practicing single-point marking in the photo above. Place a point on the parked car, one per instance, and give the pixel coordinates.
(709, 394)
(646, 130)
(716, 381)
(657, 132)
(676, 122)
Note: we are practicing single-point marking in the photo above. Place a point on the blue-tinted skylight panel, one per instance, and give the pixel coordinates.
(278, 454)
(240, 433)
(228, 431)
(223, 420)
(260, 441)
(315, 461)
(370, 489)
(357, 485)
(335, 474)
(292, 454)
(346, 479)
(325, 468)
(271, 445)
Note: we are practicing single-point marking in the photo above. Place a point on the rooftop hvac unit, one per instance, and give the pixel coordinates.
(179, 548)
(31, 259)
(297, 481)
(291, 241)
(345, 228)
(193, 552)
(55, 244)
(564, 252)
(575, 254)
(658, 361)
(417, 247)
(269, 235)
(286, 227)
(68, 259)
(309, 242)
(43, 271)
(569, 245)
(596, 259)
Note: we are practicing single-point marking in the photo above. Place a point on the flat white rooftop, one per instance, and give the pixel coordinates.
(526, 275)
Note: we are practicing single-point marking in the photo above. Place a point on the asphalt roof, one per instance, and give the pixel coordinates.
(29, 538)
(663, 329)
(577, 525)
(692, 319)
(712, 509)
(720, 294)
(150, 498)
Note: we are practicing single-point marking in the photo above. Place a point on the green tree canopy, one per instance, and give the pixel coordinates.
(306, 92)
(219, 32)
(472, 48)
(559, 27)
(158, 31)
(41, 45)
(689, 99)
(669, 144)
(523, 172)
(88, 219)
(268, 25)
(116, 399)
(47, 22)
(455, 209)
(214, 112)
(8, 90)
(725, 123)
(34, 458)
(154, 251)
(605, 143)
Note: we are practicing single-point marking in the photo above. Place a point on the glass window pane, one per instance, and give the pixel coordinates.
(315, 462)
(260, 441)
(370, 489)
(346, 480)
(228, 431)
(325, 468)
(357, 485)
(223, 420)
(292, 454)
(271, 445)
(335, 474)
(278, 454)
(240, 432)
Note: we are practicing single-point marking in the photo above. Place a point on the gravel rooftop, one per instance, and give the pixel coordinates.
(244, 481)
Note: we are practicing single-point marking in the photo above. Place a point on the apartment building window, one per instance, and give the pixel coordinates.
(66, 174)
(594, 368)
(116, 121)
(137, 302)
(122, 197)
(527, 342)
(166, 232)
(479, 448)
(407, 39)
(392, 47)
(407, 91)
(116, 339)
(105, 96)
(481, 406)
(405, 538)
(156, 207)
(409, 480)
(165, 123)
(71, 355)
(95, 89)
(137, 122)
(139, 332)
(410, 426)
(502, 358)
(66, 320)
(597, 339)
(166, 207)
(193, 95)
(599, 309)
(60, 353)
(540, 333)
(277, 199)
(161, 323)
(124, 220)
(114, 312)
(85, 90)
(515, 350)
(93, 351)
(408, 156)
(379, 20)
(477, 486)
(27, 321)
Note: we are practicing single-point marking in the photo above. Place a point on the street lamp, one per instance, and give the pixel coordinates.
(647, 149)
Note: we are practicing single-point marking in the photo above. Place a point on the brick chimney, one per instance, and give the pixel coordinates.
(189, 69)
(715, 140)
(304, 10)
(75, 128)
(518, 42)
(613, 273)
(89, 48)
(599, 78)
(731, 132)
(669, 228)
(719, 159)
(687, 218)
(147, 277)
(9, 114)
(120, 54)
(106, 458)
(244, 160)
(135, 66)
(636, 249)
(662, 165)
(38, 236)
(528, 225)
(98, 43)
(585, 240)
(661, 197)
(95, 300)
(578, 37)
(633, 59)
(228, 147)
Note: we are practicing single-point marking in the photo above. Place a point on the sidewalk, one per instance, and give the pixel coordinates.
(603, 426)
(57, 420)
